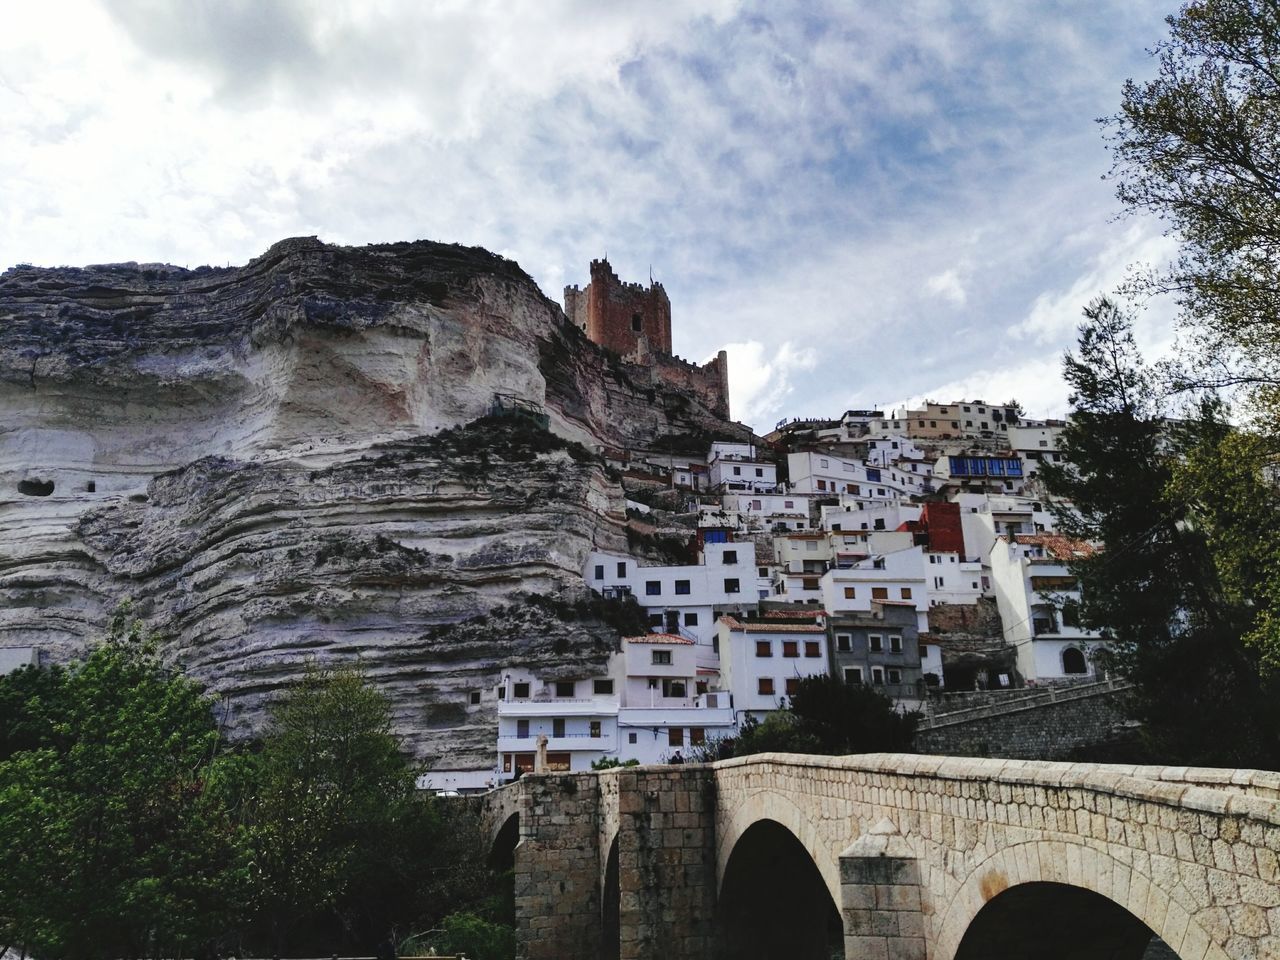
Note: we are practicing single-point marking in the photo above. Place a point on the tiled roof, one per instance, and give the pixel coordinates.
(741, 627)
(1063, 548)
(659, 638)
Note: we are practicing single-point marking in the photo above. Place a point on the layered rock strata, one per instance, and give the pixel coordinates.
(255, 456)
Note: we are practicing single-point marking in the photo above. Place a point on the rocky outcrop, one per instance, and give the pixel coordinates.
(270, 461)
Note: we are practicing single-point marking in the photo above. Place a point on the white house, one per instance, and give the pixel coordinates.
(667, 703)
(819, 472)
(683, 599)
(763, 659)
(737, 466)
(1038, 599)
(578, 716)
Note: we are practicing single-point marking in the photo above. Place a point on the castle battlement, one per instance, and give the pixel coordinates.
(634, 321)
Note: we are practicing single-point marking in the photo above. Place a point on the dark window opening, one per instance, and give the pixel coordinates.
(637, 322)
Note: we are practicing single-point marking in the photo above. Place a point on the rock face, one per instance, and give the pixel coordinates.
(270, 461)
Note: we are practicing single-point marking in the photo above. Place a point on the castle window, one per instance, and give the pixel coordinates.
(636, 322)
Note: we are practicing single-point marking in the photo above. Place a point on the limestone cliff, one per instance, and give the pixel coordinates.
(268, 460)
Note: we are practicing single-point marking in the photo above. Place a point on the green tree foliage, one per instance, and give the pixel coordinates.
(344, 849)
(1176, 587)
(828, 716)
(111, 832)
(1199, 146)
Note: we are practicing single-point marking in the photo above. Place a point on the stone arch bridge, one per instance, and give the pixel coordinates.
(893, 857)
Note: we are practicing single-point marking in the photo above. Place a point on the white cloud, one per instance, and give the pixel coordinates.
(874, 195)
(761, 380)
(947, 285)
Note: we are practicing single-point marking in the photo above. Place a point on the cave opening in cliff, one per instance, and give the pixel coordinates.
(35, 488)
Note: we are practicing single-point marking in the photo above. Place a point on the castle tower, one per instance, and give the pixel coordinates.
(627, 318)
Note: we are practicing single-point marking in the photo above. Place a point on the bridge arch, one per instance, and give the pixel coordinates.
(774, 903)
(779, 808)
(502, 848)
(1035, 866)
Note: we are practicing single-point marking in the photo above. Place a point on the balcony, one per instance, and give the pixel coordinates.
(570, 743)
(545, 706)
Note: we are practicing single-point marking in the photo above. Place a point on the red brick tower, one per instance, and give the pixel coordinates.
(627, 318)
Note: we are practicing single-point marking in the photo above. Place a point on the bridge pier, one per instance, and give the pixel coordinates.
(880, 895)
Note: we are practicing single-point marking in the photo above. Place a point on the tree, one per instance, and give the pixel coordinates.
(113, 836)
(1199, 146)
(345, 850)
(827, 716)
(1172, 589)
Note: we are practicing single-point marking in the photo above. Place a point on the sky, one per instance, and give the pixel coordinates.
(866, 204)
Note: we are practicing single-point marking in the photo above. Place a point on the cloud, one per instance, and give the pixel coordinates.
(882, 198)
(947, 285)
(760, 381)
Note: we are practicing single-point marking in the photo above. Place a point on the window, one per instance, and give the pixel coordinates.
(764, 686)
(933, 557)
(564, 688)
(895, 644)
(1044, 443)
(636, 322)
(939, 581)
(792, 686)
(682, 587)
(764, 648)
(520, 691)
(631, 738)
(655, 620)
(853, 675)
(849, 593)
(602, 688)
(1071, 613)
(557, 727)
(475, 696)
(737, 471)
(595, 728)
(731, 585)
(788, 504)
(824, 463)
(811, 648)
(652, 588)
(697, 736)
(810, 583)
(880, 593)
(1073, 661)
(622, 569)
(759, 471)
(690, 619)
(661, 658)
(877, 675)
(675, 736)
(730, 556)
(762, 571)
(599, 571)
(673, 688)
(895, 676)
(790, 648)
(906, 593)
(811, 546)
(844, 642)
(875, 642)
(878, 564)
(522, 729)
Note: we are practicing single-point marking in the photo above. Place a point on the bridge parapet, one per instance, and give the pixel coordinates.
(1189, 853)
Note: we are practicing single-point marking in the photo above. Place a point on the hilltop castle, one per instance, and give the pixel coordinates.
(634, 321)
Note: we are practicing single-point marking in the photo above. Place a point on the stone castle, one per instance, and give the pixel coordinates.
(634, 321)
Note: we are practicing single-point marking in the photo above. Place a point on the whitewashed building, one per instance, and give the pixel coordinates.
(763, 659)
(1038, 599)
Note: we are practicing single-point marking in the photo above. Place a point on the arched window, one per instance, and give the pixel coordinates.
(1073, 661)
